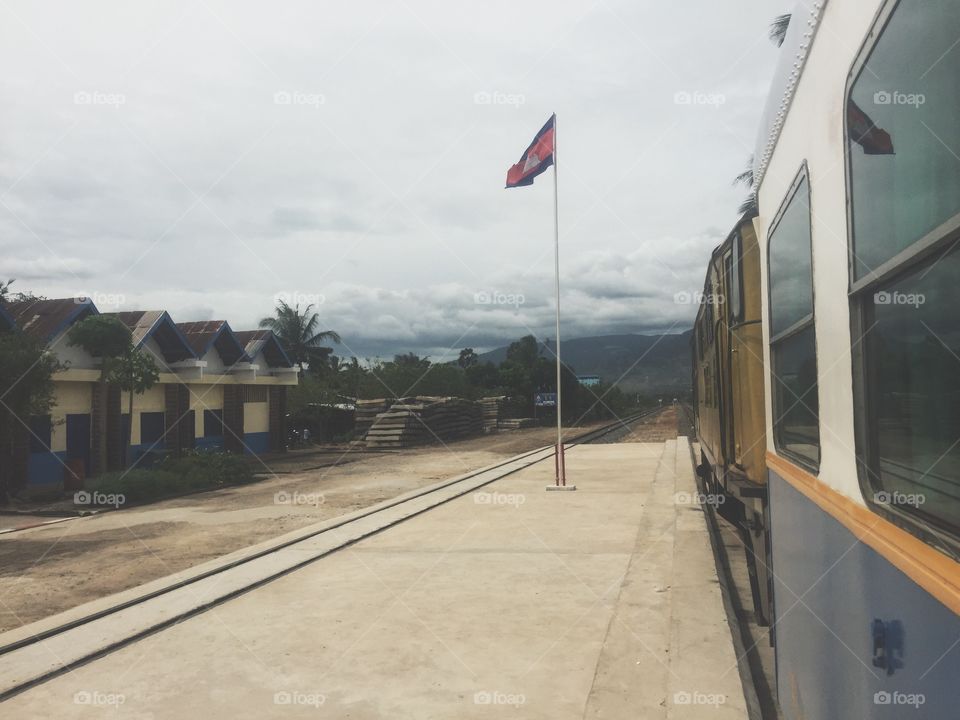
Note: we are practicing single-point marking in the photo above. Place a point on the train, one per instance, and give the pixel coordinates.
(826, 363)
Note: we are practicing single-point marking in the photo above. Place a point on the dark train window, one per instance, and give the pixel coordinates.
(903, 133)
(793, 353)
(734, 270)
(905, 223)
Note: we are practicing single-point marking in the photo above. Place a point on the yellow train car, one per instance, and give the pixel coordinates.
(728, 398)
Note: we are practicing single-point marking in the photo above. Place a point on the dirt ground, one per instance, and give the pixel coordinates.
(46, 570)
(659, 427)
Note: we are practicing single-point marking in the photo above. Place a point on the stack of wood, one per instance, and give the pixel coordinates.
(420, 420)
(399, 427)
(452, 417)
(366, 413)
(490, 409)
(517, 423)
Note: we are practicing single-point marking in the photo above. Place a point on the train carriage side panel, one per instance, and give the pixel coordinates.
(867, 611)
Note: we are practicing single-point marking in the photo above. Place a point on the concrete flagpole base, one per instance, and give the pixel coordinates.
(561, 487)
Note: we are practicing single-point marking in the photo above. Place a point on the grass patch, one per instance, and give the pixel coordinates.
(176, 476)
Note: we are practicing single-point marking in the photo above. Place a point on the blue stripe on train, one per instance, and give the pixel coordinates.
(829, 588)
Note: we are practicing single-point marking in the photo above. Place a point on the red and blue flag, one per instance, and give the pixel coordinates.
(536, 158)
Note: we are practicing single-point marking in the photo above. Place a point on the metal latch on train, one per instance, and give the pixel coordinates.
(887, 645)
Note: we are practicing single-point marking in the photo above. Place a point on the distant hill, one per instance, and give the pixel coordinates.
(637, 363)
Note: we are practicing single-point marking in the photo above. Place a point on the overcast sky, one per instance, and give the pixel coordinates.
(207, 157)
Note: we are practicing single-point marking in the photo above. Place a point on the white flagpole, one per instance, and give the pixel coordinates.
(561, 470)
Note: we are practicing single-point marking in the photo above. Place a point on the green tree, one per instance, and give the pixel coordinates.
(134, 372)
(26, 391)
(106, 338)
(298, 334)
(468, 358)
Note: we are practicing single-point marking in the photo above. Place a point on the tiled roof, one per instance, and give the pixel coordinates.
(205, 333)
(256, 341)
(46, 319)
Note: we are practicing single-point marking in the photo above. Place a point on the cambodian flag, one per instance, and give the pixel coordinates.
(536, 158)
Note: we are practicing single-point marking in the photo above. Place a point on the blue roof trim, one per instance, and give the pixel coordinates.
(166, 319)
(84, 306)
(283, 352)
(224, 329)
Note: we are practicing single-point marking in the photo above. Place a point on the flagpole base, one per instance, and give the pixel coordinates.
(560, 487)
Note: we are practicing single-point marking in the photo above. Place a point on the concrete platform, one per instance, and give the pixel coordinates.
(602, 602)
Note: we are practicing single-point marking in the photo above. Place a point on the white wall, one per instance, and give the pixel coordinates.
(814, 132)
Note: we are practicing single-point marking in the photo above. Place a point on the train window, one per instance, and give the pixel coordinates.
(904, 180)
(902, 113)
(796, 426)
(734, 286)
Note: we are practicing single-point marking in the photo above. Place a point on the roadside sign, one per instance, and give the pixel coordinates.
(545, 399)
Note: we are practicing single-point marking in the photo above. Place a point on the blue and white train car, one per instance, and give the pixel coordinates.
(858, 186)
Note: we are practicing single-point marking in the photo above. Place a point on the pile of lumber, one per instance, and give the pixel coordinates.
(490, 410)
(420, 420)
(366, 413)
(398, 427)
(517, 423)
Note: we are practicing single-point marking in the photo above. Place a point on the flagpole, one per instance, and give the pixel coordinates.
(561, 479)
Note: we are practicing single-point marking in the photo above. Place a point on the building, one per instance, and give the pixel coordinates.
(588, 380)
(217, 390)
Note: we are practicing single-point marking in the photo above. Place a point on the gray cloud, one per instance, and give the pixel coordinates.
(146, 154)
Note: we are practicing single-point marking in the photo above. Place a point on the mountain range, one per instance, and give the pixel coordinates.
(649, 364)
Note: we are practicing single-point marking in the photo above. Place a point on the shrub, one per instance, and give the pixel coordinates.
(176, 476)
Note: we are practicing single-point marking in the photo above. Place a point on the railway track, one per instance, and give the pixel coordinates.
(42, 650)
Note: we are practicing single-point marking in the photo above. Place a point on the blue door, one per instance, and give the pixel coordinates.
(78, 439)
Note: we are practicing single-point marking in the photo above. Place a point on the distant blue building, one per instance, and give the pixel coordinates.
(588, 380)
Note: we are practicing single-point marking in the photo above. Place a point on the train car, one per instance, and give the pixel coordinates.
(857, 175)
(728, 392)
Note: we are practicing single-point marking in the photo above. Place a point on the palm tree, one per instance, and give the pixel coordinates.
(746, 178)
(5, 290)
(778, 29)
(298, 334)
